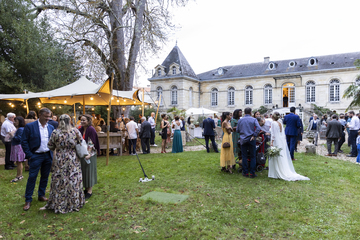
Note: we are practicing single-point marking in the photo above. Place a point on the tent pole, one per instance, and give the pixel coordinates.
(74, 114)
(108, 119)
(84, 104)
(157, 110)
(27, 106)
(143, 105)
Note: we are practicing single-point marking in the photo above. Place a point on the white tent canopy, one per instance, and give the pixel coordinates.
(198, 111)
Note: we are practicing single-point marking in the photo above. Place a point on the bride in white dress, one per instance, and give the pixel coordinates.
(281, 166)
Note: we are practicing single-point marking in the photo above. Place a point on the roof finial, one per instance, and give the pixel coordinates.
(176, 43)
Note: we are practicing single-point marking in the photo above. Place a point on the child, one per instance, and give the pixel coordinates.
(358, 148)
(17, 154)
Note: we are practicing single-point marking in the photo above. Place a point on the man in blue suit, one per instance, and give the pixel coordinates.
(292, 122)
(209, 126)
(34, 143)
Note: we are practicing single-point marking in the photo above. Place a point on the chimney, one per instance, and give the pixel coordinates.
(266, 59)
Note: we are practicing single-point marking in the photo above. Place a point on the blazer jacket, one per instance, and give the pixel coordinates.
(318, 124)
(145, 130)
(292, 122)
(334, 129)
(30, 139)
(209, 126)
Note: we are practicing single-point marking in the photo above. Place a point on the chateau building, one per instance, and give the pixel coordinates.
(321, 80)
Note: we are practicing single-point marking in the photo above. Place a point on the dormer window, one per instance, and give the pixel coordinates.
(174, 70)
(292, 64)
(272, 66)
(159, 72)
(312, 62)
(220, 71)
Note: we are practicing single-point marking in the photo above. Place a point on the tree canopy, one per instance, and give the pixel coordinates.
(118, 34)
(30, 57)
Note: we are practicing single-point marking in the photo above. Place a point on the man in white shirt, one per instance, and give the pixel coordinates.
(151, 120)
(6, 128)
(133, 131)
(34, 142)
(354, 126)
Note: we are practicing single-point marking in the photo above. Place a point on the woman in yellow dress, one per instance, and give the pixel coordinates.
(227, 159)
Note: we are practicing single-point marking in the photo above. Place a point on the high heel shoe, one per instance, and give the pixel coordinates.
(162, 151)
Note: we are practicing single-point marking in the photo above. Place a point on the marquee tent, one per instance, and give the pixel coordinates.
(198, 111)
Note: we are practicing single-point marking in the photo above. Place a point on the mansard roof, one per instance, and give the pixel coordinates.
(283, 67)
(176, 56)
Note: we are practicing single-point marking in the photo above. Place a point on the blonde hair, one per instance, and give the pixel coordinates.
(276, 116)
(65, 123)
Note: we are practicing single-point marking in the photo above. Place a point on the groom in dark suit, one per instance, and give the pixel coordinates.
(145, 135)
(34, 143)
(292, 122)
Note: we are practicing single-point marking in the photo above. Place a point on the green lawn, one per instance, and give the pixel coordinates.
(220, 205)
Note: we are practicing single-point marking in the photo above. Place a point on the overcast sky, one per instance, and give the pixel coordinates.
(215, 33)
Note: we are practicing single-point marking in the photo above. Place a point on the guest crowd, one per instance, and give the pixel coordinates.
(47, 143)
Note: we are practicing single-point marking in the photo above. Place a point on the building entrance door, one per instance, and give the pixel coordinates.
(288, 95)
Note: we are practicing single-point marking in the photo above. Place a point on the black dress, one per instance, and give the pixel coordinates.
(164, 132)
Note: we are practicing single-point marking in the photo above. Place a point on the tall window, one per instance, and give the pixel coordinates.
(159, 72)
(214, 97)
(310, 92)
(268, 94)
(190, 96)
(174, 100)
(334, 90)
(249, 95)
(173, 70)
(231, 96)
(160, 92)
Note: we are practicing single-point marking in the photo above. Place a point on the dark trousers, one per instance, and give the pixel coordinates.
(152, 138)
(291, 142)
(8, 163)
(353, 136)
(212, 138)
(248, 151)
(342, 140)
(38, 162)
(132, 145)
(145, 145)
(329, 141)
(267, 139)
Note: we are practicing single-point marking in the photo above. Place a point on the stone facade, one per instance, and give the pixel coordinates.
(329, 75)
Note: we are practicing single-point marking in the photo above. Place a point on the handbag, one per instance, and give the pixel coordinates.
(226, 145)
(81, 149)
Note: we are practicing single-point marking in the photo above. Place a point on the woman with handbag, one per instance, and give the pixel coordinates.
(164, 132)
(66, 186)
(227, 159)
(89, 171)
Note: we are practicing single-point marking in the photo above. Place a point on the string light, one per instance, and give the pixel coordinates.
(139, 108)
(54, 107)
(39, 103)
(112, 98)
(107, 109)
(91, 98)
(118, 100)
(65, 101)
(92, 109)
(123, 109)
(10, 103)
(59, 106)
(79, 106)
(150, 106)
(24, 106)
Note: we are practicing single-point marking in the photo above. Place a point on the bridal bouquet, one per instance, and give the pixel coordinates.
(273, 152)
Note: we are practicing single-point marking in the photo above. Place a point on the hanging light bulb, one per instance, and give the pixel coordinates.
(150, 106)
(65, 101)
(24, 106)
(112, 98)
(118, 100)
(59, 106)
(91, 98)
(123, 109)
(79, 106)
(92, 109)
(139, 108)
(10, 103)
(39, 103)
(54, 107)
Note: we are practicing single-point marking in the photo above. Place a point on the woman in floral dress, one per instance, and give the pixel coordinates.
(66, 194)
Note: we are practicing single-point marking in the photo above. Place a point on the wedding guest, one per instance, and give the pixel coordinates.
(358, 148)
(102, 126)
(151, 120)
(89, 171)
(354, 128)
(333, 134)
(31, 117)
(256, 114)
(125, 134)
(227, 159)
(145, 135)
(182, 130)
(177, 141)
(17, 154)
(209, 133)
(6, 128)
(342, 139)
(235, 135)
(66, 185)
(164, 128)
(113, 125)
(249, 128)
(300, 134)
(133, 131)
(54, 118)
(34, 142)
(52, 122)
(314, 126)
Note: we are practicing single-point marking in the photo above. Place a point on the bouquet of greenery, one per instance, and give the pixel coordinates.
(273, 152)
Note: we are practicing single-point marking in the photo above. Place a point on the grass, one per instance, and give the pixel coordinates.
(220, 205)
(193, 142)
